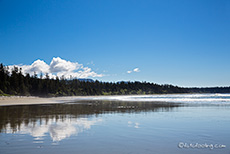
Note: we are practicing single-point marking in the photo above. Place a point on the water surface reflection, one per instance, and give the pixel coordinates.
(60, 121)
(113, 127)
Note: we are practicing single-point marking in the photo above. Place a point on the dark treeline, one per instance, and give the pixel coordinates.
(209, 90)
(15, 83)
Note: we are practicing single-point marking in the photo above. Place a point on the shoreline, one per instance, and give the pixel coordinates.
(24, 100)
(35, 100)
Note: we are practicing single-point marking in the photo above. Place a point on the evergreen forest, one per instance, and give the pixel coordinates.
(13, 82)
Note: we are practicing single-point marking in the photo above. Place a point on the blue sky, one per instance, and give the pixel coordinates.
(181, 42)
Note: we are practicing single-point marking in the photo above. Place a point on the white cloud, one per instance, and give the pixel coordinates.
(58, 67)
(61, 65)
(37, 66)
(134, 70)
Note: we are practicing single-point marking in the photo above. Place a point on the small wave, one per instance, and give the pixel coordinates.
(177, 98)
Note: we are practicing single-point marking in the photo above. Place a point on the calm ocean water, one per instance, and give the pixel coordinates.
(186, 123)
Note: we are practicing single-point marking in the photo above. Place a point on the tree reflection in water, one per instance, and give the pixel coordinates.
(64, 120)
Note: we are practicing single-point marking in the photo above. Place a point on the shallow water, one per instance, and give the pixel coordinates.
(122, 126)
(176, 98)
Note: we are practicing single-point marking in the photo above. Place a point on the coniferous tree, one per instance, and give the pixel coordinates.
(15, 83)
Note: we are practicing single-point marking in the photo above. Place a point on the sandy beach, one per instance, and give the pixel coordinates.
(24, 100)
(32, 100)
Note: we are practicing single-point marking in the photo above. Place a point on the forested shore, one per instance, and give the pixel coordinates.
(13, 82)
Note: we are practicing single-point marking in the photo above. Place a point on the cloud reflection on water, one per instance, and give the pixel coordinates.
(133, 124)
(57, 130)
